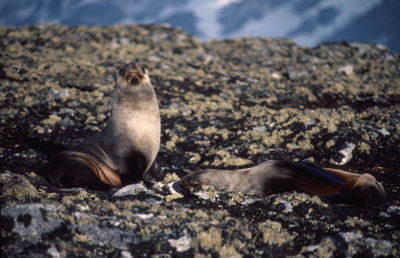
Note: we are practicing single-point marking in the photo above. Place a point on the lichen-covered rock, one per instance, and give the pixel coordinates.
(223, 103)
(29, 221)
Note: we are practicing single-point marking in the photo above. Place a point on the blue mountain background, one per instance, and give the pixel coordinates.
(308, 22)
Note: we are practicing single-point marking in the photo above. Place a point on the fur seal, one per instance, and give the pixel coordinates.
(125, 149)
(270, 177)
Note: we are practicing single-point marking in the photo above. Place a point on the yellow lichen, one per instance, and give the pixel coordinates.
(211, 239)
(273, 233)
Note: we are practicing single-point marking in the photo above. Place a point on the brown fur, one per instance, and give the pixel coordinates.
(275, 177)
(127, 147)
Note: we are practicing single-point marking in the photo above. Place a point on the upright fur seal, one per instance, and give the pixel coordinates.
(127, 147)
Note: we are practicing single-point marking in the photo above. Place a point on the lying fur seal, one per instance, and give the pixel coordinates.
(127, 147)
(272, 177)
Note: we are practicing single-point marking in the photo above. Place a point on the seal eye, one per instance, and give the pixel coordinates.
(122, 69)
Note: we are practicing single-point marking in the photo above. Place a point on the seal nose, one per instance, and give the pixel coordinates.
(135, 66)
(132, 66)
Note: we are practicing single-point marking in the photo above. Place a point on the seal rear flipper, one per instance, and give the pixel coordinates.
(314, 170)
(74, 169)
(85, 178)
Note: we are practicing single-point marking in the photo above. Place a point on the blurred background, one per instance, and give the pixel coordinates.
(308, 22)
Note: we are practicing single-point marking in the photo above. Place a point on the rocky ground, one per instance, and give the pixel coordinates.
(223, 104)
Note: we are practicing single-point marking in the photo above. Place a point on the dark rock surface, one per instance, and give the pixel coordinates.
(223, 104)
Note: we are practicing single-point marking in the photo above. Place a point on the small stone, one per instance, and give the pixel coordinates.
(62, 94)
(276, 76)
(66, 122)
(53, 252)
(262, 128)
(144, 216)
(126, 254)
(181, 244)
(295, 75)
(384, 132)
(131, 190)
(394, 209)
(347, 69)
(347, 153)
(67, 111)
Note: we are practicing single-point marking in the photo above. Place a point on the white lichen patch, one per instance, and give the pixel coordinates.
(181, 244)
(347, 153)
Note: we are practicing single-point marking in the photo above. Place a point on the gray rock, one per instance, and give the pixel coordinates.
(108, 236)
(53, 252)
(32, 220)
(66, 122)
(378, 247)
(131, 190)
(62, 94)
